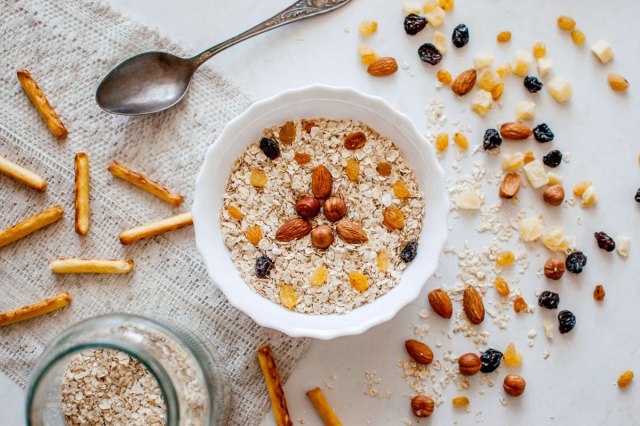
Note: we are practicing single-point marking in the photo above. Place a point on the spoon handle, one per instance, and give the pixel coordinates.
(301, 9)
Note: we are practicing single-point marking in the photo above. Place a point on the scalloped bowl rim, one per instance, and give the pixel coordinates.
(209, 191)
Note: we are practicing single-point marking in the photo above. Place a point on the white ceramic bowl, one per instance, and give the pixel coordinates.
(313, 102)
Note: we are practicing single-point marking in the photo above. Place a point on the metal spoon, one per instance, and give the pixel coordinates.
(154, 81)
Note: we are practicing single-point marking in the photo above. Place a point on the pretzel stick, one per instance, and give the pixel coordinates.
(274, 386)
(323, 408)
(36, 309)
(39, 100)
(30, 225)
(156, 228)
(143, 182)
(82, 193)
(22, 175)
(90, 266)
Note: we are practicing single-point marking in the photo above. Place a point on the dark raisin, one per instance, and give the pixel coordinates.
(638, 195)
(543, 133)
(270, 148)
(575, 262)
(492, 139)
(552, 159)
(460, 36)
(490, 360)
(533, 84)
(605, 242)
(429, 54)
(409, 252)
(549, 300)
(264, 265)
(413, 24)
(566, 321)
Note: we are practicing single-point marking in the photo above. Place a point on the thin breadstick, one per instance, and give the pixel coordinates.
(90, 266)
(39, 100)
(156, 228)
(30, 225)
(323, 408)
(82, 193)
(36, 309)
(274, 386)
(143, 182)
(22, 175)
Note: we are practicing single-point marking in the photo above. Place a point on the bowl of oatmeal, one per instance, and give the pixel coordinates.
(320, 212)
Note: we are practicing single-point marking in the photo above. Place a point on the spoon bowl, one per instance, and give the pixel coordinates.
(146, 83)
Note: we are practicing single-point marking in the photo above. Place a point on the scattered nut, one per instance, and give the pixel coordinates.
(554, 268)
(422, 406)
(322, 236)
(510, 185)
(514, 385)
(321, 182)
(440, 303)
(293, 229)
(383, 67)
(553, 195)
(472, 304)
(420, 352)
(464, 82)
(469, 364)
(334, 208)
(515, 131)
(351, 232)
(308, 207)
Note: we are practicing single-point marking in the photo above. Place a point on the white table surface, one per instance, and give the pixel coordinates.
(600, 130)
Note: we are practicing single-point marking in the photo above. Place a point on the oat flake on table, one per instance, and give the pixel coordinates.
(366, 200)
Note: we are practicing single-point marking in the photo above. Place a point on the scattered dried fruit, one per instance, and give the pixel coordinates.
(235, 212)
(483, 59)
(581, 187)
(352, 169)
(358, 281)
(549, 300)
(293, 229)
(511, 357)
(367, 28)
(513, 161)
(539, 50)
(510, 185)
(473, 305)
(623, 245)
(321, 182)
(560, 89)
(334, 208)
(536, 175)
(419, 351)
(555, 238)
(460, 36)
(383, 67)
(553, 195)
(444, 77)
(532, 84)
(422, 406)
(460, 402)
(496, 92)
(603, 51)
(263, 266)
(566, 23)
(491, 140)
(490, 360)
(254, 235)
(400, 190)
(469, 364)
(355, 141)
(605, 242)
(576, 262)
(503, 36)
(625, 378)
(446, 5)
(519, 304)
(504, 70)
(288, 296)
(270, 148)
(287, 133)
(302, 158)
(554, 268)
(382, 259)
(322, 236)
(531, 228)
(393, 218)
(258, 178)
(598, 293)
(350, 232)
(544, 65)
(617, 82)
(578, 36)
(515, 131)
(514, 385)
(430, 54)
(308, 207)
(440, 303)
(464, 82)
(409, 252)
(552, 159)
(487, 79)
(566, 321)
(384, 169)
(522, 62)
(461, 140)
(481, 102)
(469, 200)
(413, 24)
(439, 40)
(525, 110)
(505, 258)
(442, 141)
(501, 286)
(319, 276)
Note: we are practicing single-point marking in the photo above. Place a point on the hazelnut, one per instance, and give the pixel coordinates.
(514, 385)
(308, 207)
(554, 268)
(334, 208)
(469, 364)
(322, 236)
(554, 195)
(422, 406)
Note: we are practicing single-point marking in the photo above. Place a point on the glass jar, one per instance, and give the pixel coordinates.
(193, 384)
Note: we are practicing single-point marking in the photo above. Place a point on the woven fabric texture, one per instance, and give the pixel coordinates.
(68, 46)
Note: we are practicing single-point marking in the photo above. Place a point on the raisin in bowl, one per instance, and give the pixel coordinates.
(212, 198)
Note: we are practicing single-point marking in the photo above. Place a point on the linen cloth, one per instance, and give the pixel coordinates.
(68, 46)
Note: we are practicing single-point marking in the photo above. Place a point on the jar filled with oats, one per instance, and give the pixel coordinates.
(122, 369)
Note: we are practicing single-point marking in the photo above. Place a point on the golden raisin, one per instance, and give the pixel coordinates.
(352, 169)
(503, 70)
(578, 36)
(598, 293)
(487, 79)
(367, 28)
(625, 378)
(383, 261)
(511, 357)
(400, 190)
(288, 296)
(393, 218)
(442, 142)
(444, 77)
(566, 23)
(496, 92)
(384, 169)
(501, 286)
(368, 59)
(580, 187)
(302, 158)
(519, 304)
(430, 6)
(528, 157)
(446, 5)
(365, 50)
(287, 133)
(319, 276)
(505, 258)
(254, 235)
(258, 178)
(503, 36)
(358, 281)
(461, 140)
(235, 212)
(460, 401)
(539, 50)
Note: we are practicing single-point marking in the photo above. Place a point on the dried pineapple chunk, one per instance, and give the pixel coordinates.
(531, 228)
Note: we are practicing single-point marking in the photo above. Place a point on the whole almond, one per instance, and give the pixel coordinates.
(441, 303)
(515, 131)
(321, 182)
(293, 229)
(514, 385)
(510, 185)
(464, 82)
(469, 364)
(420, 352)
(383, 67)
(422, 406)
(351, 232)
(473, 306)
